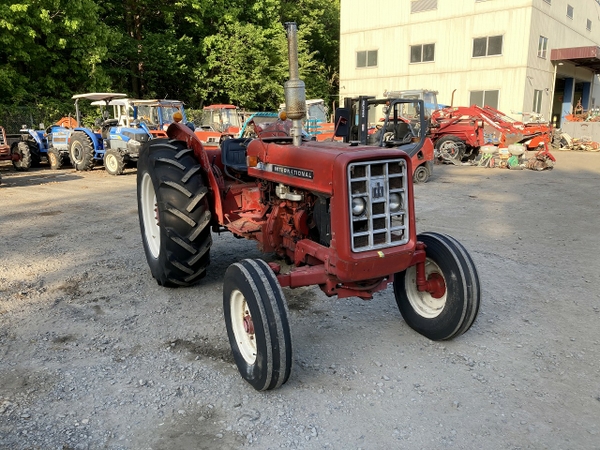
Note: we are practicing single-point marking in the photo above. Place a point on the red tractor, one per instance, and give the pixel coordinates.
(459, 132)
(343, 215)
(219, 122)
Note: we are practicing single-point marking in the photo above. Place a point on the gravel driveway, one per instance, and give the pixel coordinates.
(95, 355)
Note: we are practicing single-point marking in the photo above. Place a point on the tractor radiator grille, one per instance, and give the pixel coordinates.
(381, 186)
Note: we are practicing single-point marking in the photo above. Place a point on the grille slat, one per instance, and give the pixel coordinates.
(374, 182)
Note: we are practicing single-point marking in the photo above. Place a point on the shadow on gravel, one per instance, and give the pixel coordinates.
(204, 347)
(36, 177)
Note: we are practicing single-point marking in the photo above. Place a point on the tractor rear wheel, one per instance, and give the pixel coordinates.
(256, 317)
(451, 310)
(24, 153)
(174, 213)
(421, 174)
(450, 149)
(81, 151)
(114, 163)
(55, 158)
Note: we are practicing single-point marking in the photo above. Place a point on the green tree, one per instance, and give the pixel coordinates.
(50, 48)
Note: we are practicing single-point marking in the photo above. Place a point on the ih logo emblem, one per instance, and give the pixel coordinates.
(377, 189)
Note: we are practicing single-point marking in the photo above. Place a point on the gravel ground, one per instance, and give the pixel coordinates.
(95, 355)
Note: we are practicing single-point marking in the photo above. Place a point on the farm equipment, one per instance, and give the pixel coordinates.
(429, 98)
(459, 132)
(219, 122)
(315, 122)
(394, 130)
(5, 153)
(25, 149)
(112, 143)
(256, 122)
(342, 214)
(157, 115)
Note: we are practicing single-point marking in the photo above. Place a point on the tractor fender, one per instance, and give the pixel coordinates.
(39, 141)
(182, 132)
(96, 141)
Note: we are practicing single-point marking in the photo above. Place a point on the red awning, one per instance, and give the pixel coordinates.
(588, 57)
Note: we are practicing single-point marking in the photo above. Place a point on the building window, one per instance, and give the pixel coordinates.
(589, 25)
(569, 11)
(548, 1)
(422, 53)
(417, 6)
(537, 101)
(484, 98)
(543, 47)
(487, 46)
(366, 58)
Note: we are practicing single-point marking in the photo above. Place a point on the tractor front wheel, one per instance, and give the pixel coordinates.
(174, 213)
(452, 307)
(114, 163)
(55, 157)
(81, 151)
(450, 149)
(23, 160)
(256, 317)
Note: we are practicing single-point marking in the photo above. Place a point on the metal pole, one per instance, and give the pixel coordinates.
(552, 95)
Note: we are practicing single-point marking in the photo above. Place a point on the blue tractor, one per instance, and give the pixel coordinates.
(28, 147)
(110, 143)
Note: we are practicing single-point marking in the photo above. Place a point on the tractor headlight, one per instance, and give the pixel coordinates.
(395, 203)
(358, 206)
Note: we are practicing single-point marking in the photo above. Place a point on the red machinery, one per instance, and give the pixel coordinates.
(459, 132)
(219, 122)
(15, 151)
(343, 215)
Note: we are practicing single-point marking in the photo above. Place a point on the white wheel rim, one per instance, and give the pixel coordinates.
(422, 302)
(150, 215)
(110, 162)
(77, 151)
(240, 314)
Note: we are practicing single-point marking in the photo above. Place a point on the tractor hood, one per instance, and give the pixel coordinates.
(312, 165)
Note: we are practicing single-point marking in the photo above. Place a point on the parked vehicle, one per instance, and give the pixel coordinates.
(315, 122)
(460, 132)
(157, 115)
(110, 143)
(26, 149)
(393, 130)
(219, 122)
(342, 214)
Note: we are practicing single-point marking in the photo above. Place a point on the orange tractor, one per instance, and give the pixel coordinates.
(219, 122)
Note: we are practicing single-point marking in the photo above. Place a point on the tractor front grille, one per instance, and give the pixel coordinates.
(380, 185)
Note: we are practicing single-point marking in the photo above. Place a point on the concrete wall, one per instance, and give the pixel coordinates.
(389, 27)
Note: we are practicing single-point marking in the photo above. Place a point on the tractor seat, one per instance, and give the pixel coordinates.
(233, 153)
(106, 127)
(110, 123)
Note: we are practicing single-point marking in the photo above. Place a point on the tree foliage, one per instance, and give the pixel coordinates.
(198, 51)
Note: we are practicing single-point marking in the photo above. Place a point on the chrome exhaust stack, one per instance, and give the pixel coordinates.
(295, 95)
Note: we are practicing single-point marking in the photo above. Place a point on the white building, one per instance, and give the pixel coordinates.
(519, 56)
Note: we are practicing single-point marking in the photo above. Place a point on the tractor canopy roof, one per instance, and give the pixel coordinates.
(220, 107)
(115, 102)
(102, 96)
(155, 102)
